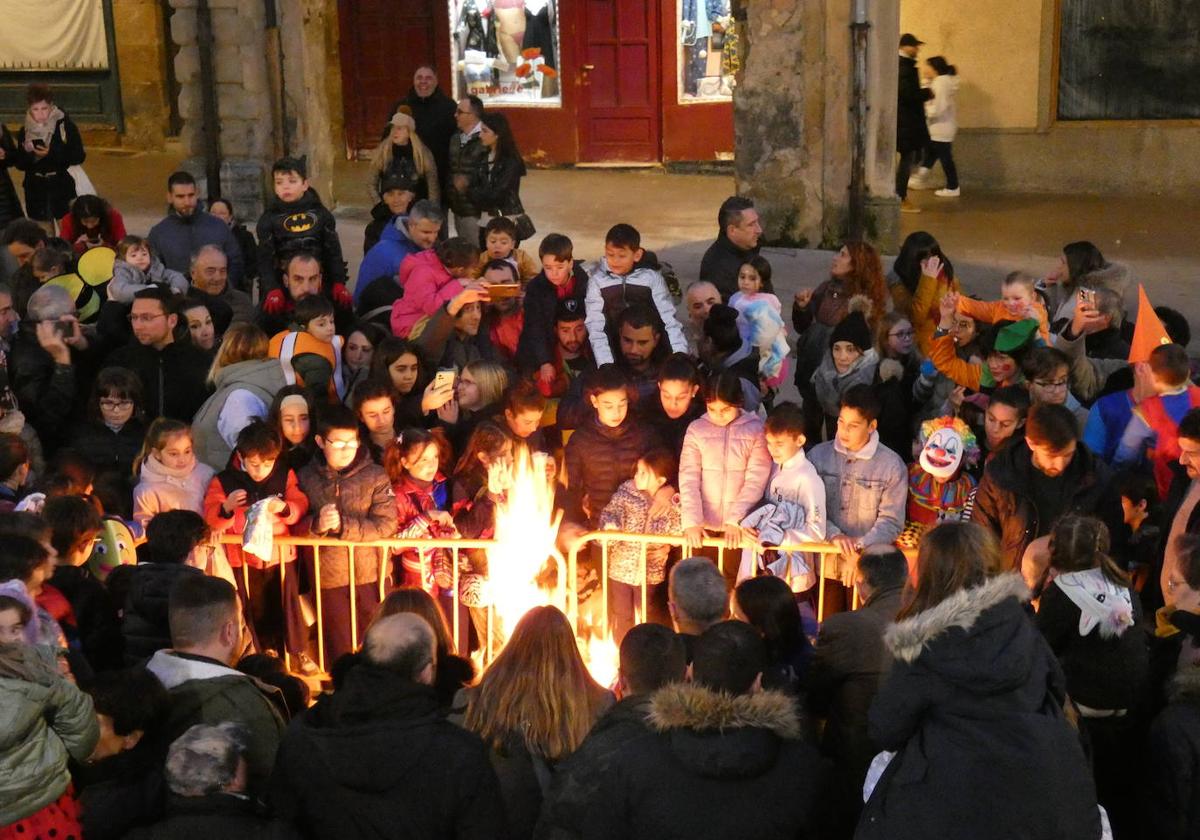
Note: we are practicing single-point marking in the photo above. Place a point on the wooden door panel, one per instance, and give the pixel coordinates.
(619, 109)
(381, 42)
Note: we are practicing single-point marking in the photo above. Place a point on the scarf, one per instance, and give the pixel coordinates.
(42, 131)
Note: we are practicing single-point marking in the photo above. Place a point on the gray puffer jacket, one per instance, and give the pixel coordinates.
(128, 280)
(44, 720)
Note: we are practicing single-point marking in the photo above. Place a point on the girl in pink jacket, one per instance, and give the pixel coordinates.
(724, 466)
(170, 477)
(431, 279)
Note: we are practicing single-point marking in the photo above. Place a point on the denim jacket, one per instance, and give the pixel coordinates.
(865, 491)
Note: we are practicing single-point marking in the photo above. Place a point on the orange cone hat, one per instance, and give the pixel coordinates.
(1148, 332)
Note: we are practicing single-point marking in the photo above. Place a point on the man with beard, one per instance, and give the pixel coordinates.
(187, 228)
(452, 336)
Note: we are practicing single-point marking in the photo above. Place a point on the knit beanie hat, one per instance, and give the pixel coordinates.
(854, 327)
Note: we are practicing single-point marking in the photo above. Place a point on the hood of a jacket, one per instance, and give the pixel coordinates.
(355, 732)
(722, 736)
(26, 672)
(173, 671)
(265, 373)
(977, 639)
(154, 470)
(427, 259)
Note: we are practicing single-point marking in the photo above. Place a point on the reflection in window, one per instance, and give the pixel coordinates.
(506, 51)
(710, 50)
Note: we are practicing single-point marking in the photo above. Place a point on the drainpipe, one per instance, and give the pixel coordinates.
(208, 100)
(859, 29)
(275, 77)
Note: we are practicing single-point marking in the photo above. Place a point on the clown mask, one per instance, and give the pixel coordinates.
(942, 454)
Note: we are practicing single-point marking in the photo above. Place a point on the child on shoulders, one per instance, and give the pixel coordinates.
(500, 241)
(311, 354)
(137, 267)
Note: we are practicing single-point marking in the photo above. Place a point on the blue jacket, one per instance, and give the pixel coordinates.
(175, 239)
(385, 256)
(1107, 421)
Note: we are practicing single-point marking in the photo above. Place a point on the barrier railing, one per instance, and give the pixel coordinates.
(566, 595)
(605, 538)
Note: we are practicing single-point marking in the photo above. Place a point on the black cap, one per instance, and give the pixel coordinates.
(569, 309)
(392, 181)
(910, 40)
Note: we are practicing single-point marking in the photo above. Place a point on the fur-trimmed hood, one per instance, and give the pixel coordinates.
(691, 706)
(907, 639)
(723, 736)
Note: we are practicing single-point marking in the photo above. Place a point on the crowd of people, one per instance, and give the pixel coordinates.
(994, 501)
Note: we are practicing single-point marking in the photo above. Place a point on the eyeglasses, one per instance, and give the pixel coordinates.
(902, 334)
(340, 445)
(1055, 385)
(115, 405)
(145, 319)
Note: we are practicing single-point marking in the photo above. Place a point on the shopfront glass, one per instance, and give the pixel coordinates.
(506, 51)
(710, 51)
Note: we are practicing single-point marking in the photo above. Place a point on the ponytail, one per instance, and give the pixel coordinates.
(160, 431)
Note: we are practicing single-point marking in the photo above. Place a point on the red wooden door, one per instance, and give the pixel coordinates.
(382, 42)
(619, 109)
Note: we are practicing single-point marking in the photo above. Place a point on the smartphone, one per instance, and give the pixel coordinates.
(500, 291)
(444, 377)
(1087, 296)
(39, 144)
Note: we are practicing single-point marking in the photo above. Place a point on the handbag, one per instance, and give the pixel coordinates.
(83, 184)
(525, 228)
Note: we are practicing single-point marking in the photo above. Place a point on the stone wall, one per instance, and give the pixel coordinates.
(793, 134)
(140, 37)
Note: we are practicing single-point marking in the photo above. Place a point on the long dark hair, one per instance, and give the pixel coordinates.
(506, 144)
(941, 66)
(952, 556)
(770, 608)
(385, 355)
(918, 246)
(1082, 258)
(92, 205)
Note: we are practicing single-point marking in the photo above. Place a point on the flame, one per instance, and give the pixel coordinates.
(526, 528)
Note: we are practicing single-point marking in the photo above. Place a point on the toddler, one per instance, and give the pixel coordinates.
(760, 319)
(500, 243)
(170, 476)
(1018, 301)
(629, 511)
(137, 267)
(431, 279)
(312, 353)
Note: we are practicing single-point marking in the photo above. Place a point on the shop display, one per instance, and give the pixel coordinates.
(505, 51)
(710, 52)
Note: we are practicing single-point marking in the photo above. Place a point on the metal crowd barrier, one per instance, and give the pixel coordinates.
(566, 597)
(604, 538)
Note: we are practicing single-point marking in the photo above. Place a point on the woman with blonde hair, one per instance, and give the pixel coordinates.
(402, 163)
(973, 709)
(244, 381)
(477, 394)
(533, 708)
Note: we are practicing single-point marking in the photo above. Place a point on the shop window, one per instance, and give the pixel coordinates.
(710, 51)
(506, 51)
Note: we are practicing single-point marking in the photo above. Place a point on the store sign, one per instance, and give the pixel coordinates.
(506, 51)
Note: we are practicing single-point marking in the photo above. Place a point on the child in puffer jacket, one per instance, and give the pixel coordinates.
(724, 467)
(136, 267)
(170, 476)
(44, 721)
(430, 280)
(629, 511)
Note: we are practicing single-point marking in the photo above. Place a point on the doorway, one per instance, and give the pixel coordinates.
(620, 111)
(382, 43)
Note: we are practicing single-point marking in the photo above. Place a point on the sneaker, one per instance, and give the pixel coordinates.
(947, 193)
(304, 664)
(907, 206)
(919, 179)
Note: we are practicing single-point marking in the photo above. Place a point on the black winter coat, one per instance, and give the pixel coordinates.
(577, 780)
(286, 228)
(173, 379)
(912, 134)
(1003, 503)
(434, 116)
(470, 159)
(224, 815)
(850, 663)
(1173, 786)
(669, 431)
(109, 451)
(538, 344)
(96, 624)
(49, 394)
(121, 792)
(144, 590)
(716, 766)
(973, 709)
(1152, 595)
(496, 187)
(598, 458)
(722, 262)
(377, 759)
(49, 187)
(10, 205)
(249, 250)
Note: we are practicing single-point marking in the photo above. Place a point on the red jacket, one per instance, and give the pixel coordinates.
(116, 231)
(282, 482)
